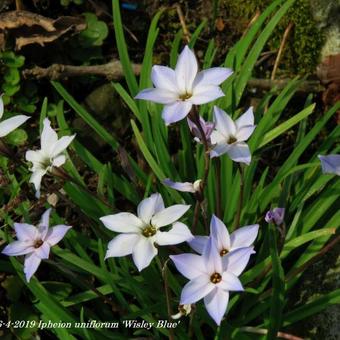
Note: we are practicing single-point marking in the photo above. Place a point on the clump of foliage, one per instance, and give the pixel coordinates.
(302, 52)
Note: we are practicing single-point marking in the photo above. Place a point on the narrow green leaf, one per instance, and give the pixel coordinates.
(122, 49)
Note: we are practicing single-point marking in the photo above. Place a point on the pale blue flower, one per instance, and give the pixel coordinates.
(207, 128)
(212, 277)
(139, 234)
(275, 216)
(50, 155)
(184, 87)
(229, 137)
(35, 242)
(183, 186)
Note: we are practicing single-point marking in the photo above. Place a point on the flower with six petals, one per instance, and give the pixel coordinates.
(212, 277)
(230, 136)
(139, 234)
(183, 87)
(35, 242)
(50, 155)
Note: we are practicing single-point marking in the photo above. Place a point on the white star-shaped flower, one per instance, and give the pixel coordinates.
(141, 233)
(230, 136)
(35, 242)
(212, 277)
(10, 124)
(50, 155)
(183, 87)
(240, 238)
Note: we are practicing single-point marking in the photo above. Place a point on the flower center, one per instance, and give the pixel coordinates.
(231, 140)
(224, 252)
(149, 231)
(215, 278)
(38, 243)
(45, 163)
(185, 96)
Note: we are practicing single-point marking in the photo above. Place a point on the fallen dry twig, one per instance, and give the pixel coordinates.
(112, 71)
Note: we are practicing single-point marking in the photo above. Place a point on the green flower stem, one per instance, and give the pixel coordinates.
(163, 269)
(218, 189)
(240, 201)
(194, 117)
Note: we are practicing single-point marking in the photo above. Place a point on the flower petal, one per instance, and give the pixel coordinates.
(330, 164)
(48, 137)
(36, 178)
(25, 232)
(246, 119)
(230, 282)
(17, 248)
(205, 94)
(244, 237)
(122, 222)
(59, 160)
(212, 257)
(219, 150)
(1, 107)
(189, 265)
(43, 231)
(186, 70)
(143, 252)
(150, 206)
(169, 215)
(180, 186)
(45, 218)
(11, 124)
(198, 243)
(177, 234)
(122, 245)
(212, 76)
(235, 261)
(217, 137)
(43, 252)
(224, 124)
(164, 78)
(56, 234)
(220, 233)
(175, 112)
(32, 262)
(196, 289)
(33, 156)
(239, 152)
(61, 145)
(216, 303)
(158, 96)
(245, 132)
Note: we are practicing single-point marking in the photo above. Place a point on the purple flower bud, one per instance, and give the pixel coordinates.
(275, 216)
(207, 127)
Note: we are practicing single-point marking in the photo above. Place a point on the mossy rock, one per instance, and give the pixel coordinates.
(303, 49)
